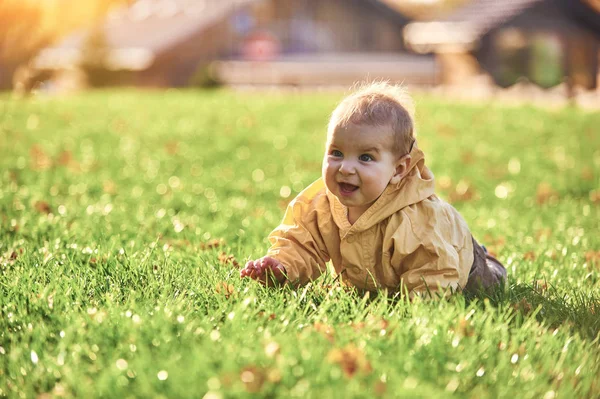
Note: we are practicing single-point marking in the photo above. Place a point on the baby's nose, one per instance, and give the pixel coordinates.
(347, 168)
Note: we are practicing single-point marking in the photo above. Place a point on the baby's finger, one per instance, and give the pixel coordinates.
(249, 270)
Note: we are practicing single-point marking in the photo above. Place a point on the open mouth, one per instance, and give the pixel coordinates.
(347, 189)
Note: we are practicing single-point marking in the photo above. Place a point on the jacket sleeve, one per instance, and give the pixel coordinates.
(298, 242)
(431, 262)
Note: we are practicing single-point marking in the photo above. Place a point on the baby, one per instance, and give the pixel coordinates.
(374, 213)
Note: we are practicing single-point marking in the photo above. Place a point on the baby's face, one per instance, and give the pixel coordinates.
(358, 165)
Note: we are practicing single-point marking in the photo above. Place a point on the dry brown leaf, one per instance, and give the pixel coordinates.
(253, 378)
(372, 325)
(272, 316)
(587, 173)
(226, 259)
(65, 158)
(446, 130)
(465, 328)
(178, 243)
(215, 243)
(225, 289)
(42, 207)
(380, 388)
(274, 375)
(109, 187)
(543, 234)
(283, 203)
(14, 254)
(444, 182)
(595, 196)
(39, 160)
(593, 257)
(523, 306)
(494, 244)
(540, 286)
(467, 157)
(545, 193)
(326, 330)
(172, 147)
(351, 359)
(464, 191)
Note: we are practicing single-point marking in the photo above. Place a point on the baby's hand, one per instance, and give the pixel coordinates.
(266, 270)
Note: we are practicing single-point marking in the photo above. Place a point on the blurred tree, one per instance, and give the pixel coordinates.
(27, 26)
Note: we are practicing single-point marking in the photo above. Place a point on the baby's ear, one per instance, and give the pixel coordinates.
(401, 169)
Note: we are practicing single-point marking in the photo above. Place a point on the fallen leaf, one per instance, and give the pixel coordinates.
(543, 234)
(380, 388)
(13, 176)
(593, 257)
(465, 328)
(523, 306)
(65, 158)
(530, 255)
(587, 173)
(493, 244)
(446, 130)
(467, 157)
(172, 147)
(283, 203)
(545, 193)
(253, 378)
(109, 187)
(351, 360)
(39, 160)
(496, 172)
(274, 375)
(225, 289)
(540, 286)
(215, 243)
(326, 330)
(177, 243)
(42, 207)
(444, 182)
(225, 259)
(464, 191)
(272, 316)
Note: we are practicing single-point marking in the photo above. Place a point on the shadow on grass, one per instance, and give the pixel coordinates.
(576, 310)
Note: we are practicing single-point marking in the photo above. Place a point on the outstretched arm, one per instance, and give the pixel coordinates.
(298, 251)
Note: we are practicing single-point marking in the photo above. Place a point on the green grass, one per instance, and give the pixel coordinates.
(122, 214)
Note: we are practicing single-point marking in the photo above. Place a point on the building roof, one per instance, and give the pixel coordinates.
(463, 27)
(484, 15)
(136, 34)
(466, 25)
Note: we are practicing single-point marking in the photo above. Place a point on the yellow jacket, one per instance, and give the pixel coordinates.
(408, 237)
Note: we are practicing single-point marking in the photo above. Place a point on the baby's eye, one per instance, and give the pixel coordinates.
(365, 158)
(337, 153)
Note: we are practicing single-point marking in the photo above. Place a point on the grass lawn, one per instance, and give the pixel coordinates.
(124, 216)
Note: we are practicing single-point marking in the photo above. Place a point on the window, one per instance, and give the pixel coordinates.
(511, 48)
(546, 67)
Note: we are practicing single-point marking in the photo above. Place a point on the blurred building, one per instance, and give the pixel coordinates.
(296, 42)
(544, 41)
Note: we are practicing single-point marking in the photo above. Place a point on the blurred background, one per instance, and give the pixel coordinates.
(541, 48)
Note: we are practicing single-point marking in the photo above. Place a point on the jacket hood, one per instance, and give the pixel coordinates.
(416, 186)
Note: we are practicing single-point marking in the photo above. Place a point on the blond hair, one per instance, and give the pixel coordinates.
(378, 104)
